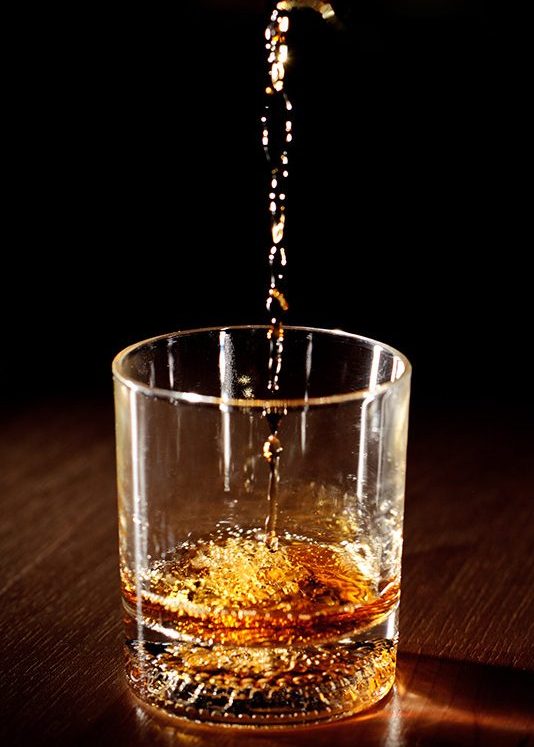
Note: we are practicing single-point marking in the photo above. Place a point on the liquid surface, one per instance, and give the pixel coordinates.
(234, 589)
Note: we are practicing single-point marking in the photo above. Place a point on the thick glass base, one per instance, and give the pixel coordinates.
(259, 686)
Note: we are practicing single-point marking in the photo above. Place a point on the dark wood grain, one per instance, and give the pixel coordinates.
(468, 571)
(467, 607)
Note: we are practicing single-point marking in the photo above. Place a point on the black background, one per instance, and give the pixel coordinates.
(137, 204)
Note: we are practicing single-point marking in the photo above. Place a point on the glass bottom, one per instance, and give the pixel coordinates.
(262, 686)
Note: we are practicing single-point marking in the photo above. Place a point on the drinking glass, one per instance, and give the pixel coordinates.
(261, 526)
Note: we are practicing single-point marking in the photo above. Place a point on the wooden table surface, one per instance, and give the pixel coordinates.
(467, 604)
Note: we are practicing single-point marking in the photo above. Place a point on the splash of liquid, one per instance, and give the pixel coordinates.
(277, 134)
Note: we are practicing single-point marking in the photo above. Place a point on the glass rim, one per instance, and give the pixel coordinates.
(242, 403)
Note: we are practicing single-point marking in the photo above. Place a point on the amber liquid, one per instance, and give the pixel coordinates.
(251, 634)
(276, 138)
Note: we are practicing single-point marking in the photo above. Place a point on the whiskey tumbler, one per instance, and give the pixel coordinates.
(260, 526)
